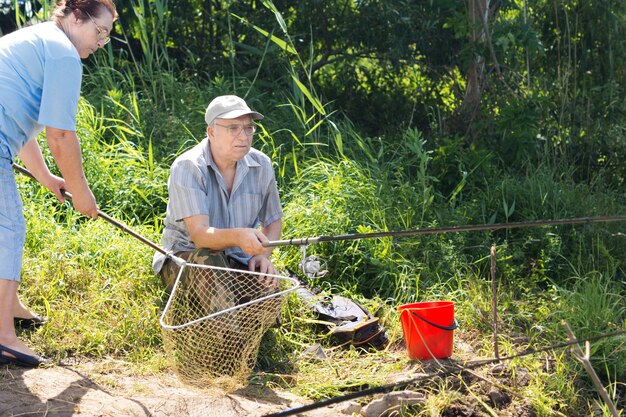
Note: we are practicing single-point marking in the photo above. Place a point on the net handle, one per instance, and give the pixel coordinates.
(114, 222)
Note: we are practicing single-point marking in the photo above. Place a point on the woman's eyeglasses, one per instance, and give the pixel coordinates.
(103, 33)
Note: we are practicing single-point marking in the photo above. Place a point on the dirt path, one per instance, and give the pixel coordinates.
(86, 390)
(108, 388)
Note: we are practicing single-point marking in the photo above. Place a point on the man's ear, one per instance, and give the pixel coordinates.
(209, 131)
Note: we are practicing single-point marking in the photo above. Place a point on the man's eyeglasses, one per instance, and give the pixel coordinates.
(103, 33)
(235, 130)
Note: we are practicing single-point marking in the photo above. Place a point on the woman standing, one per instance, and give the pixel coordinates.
(40, 77)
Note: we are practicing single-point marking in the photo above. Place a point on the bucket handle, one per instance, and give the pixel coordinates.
(453, 326)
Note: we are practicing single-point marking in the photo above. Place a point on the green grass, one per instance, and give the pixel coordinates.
(96, 285)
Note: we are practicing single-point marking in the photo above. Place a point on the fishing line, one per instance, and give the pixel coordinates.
(446, 372)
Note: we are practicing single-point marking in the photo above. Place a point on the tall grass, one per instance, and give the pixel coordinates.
(595, 305)
(26, 12)
(305, 106)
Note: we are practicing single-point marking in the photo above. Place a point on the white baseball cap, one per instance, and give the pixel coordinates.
(229, 107)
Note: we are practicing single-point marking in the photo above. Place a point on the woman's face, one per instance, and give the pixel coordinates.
(90, 34)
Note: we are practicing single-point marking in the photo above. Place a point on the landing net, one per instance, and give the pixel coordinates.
(214, 320)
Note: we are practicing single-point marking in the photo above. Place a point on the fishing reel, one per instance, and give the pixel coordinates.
(311, 266)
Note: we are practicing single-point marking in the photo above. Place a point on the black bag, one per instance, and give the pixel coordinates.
(348, 321)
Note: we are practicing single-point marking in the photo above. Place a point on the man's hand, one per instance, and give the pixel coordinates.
(261, 264)
(250, 241)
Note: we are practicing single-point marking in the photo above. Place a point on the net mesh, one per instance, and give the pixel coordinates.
(214, 321)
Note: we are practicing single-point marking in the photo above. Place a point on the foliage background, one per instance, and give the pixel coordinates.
(381, 115)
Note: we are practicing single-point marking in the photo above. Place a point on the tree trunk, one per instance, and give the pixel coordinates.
(478, 16)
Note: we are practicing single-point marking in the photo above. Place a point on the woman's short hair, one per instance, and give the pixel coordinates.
(84, 7)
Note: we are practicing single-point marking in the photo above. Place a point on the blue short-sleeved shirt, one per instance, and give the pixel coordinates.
(196, 187)
(40, 77)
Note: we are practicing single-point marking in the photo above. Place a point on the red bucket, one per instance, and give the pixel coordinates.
(428, 329)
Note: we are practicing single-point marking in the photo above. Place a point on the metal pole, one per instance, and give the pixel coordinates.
(494, 301)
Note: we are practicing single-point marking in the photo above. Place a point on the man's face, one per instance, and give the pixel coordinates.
(231, 139)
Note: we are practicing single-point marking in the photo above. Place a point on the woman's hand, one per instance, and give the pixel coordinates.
(56, 185)
(85, 202)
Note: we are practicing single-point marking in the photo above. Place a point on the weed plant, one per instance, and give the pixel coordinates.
(595, 305)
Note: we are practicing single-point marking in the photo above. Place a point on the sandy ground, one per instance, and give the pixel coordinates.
(108, 389)
(86, 390)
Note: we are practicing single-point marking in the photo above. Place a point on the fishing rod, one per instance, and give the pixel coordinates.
(429, 231)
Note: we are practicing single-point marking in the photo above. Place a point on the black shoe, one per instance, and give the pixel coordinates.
(29, 324)
(19, 358)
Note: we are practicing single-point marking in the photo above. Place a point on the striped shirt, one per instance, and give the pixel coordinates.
(196, 187)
